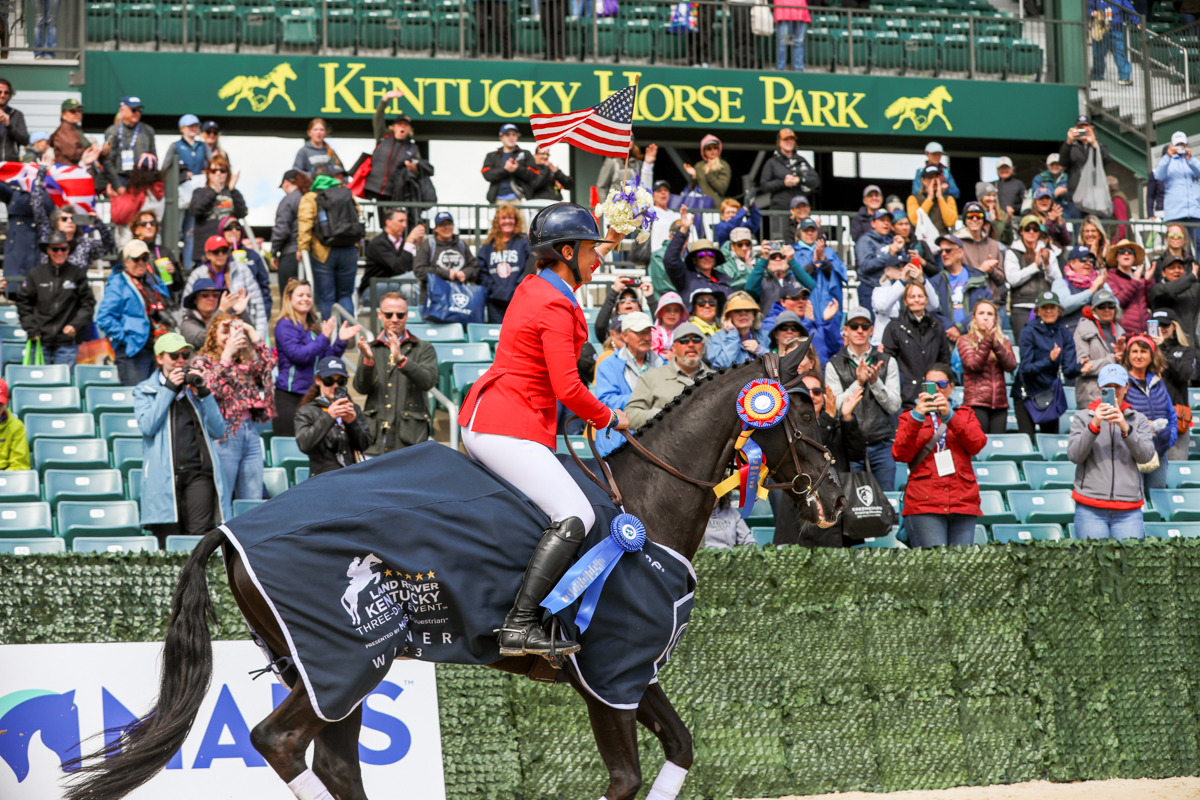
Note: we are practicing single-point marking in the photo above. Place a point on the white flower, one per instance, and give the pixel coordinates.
(643, 236)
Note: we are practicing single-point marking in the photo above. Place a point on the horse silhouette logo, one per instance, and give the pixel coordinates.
(24, 713)
(910, 107)
(259, 92)
(361, 576)
(865, 495)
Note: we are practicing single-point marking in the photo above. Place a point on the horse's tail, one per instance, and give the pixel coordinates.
(231, 88)
(145, 747)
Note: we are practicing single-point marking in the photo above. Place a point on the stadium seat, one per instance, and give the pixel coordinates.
(440, 333)
(275, 480)
(94, 374)
(40, 545)
(109, 399)
(101, 22)
(59, 426)
(341, 29)
(25, 520)
(286, 453)
(242, 506)
(763, 536)
(20, 486)
(991, 55)
(44, 400)
(991, 503)
(1194, 396)
(1008, 447)
(181, 544)
(819, 48)
(762, 515)
(1173, 530)
(1183, 475)
(1193, 448)
(897, 501)
(73, 484)
(135, 484)
(119, 426)
(9, 315)
(1177, 505)
(1069, 391)
(301, 475)
(379, 29)
(483, 332)
(883, 542)
(1053, 505)
(219, 24)
(127, 454)
(97, 519)
(114, 544)
(463, 378)
(448, 354)
(577, 443)
(69, 454)
(901, 476)
(981, 535)
(861, 51)
(49, 375)
(887, 50)
(1005, 534)
(299, 26)
(1052, 446)
(1027, 57)
(450, 30)
(1002, 475)
(920, 51)
(259, 27)
(1049, 474)
(138, 22)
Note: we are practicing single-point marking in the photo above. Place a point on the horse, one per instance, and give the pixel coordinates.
(360, 576)
(907, 107)
(673, 461)
(55, 715)
(243, 88)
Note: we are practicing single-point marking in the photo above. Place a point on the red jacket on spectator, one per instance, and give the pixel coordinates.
(984, 366)
(1131, 295)
(787, 10)
(927, 492)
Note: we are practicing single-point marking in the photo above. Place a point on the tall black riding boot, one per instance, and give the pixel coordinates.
(522, 632)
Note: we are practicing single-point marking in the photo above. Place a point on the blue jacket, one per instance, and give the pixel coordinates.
(830, 277)
(1036, 371)
(21, 252)
(724, 348)
(1073, 300)
(687, 280)
(192, 158)
(872, 259)
(1154, 402)
(1047, 179)
(951, 186)
(515, 255)
(769, 290)
(976, 289)
(722, 230)
(122, 312)
(299, 350)
(1180, 178)
(826, 335)
(613, 389)
(151, 406)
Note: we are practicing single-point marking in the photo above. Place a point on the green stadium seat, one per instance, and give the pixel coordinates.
(1194, 396)
(378, 29)
(275, 479)
(1052, 446)
(920, 51)
(44, 400)
(218, 24)
(1049, 474)
(991, 503)
(901, 476)
(448, 354)
(9, 315)
(761, 515)
(138, 22)
(299, 26)
(1028, 59)
(887, 50)
(1173, 530)
(1008, 447)
(861, 52)
(94, 374)
(69, 454)
(259, 26)
(1177, 505)
(135, 484)
(483, 332)
(889, 542)
(114, 544)
(101, 22)
(1183, 475)
(1047, 505)
(20, 486)
(342, 28)
(763, 536)
(440, 333)
(1002, 475)
(637, 38)
(48, 375)
(286, 453)
(97, 519)
(453, 32)
(606, 41)
(527, 34)
(105, 399)
(1005, 534)
(302, 474)
(464, 376)
(59, 426)
(27, 546)
(991, 55)
(1069, 391)
(127, 454)
(577, 443)
(897, 501)
(114, 425)
(19, 520)
(182, 544)
(592, 314)
(819, 48)
(242, 506)
(981, 535)
(74, 484)
(1193, 448)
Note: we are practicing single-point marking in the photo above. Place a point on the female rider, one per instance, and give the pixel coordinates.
(508, 418)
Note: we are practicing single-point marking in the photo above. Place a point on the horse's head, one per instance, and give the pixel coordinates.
(284, 71)
(55, 715)
(371, 560)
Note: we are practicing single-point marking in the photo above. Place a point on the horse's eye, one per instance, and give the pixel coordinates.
(807, 416)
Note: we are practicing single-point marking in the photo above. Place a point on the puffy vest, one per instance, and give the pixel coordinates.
(876, 424)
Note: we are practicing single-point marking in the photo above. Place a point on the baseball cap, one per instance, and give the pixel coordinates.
(1179, 137)
(951, 238)
(1048, 299)
(984, 188)
(1112, 375)
(973, 207)
(131, 101)
(442, 218)
(1003, 161)
(899, 214)
(1080, 252)
(215, 243)
(1166, 315)
(210, 126)
(662, 185)
(870, 187)
(808, 223)
(188, 119)
(934, 147)
(1082, 119)
(1052, 159)
(881, 213)
(636, 321)
(858, 312)
(508, 126)
(931, 171)
(70, 104)
(1031, 219)
(740, 235)
(38, 136)
(786, 133)
(1041, 192)
(170, 342)
(328, 367)
(401, 118)
(800, 200)
(793, 288)
(290, 175)
(686, 329)
(1104, 296)
(135, 248)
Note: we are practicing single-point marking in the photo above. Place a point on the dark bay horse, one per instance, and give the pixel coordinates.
(695, 435)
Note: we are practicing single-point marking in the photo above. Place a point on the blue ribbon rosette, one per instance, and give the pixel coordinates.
(627, 534)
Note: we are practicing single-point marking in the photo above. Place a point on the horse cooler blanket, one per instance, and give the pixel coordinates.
(418, 554)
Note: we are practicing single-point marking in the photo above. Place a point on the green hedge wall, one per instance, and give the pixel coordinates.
(805, 671)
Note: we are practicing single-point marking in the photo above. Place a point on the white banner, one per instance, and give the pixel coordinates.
(53, 695)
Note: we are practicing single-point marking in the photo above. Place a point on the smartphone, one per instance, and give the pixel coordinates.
(82, 219)
(1152, 327)
(340, 392)
(930, 388)
(1108, 395)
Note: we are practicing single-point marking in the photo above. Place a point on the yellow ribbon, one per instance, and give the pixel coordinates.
(733, 481)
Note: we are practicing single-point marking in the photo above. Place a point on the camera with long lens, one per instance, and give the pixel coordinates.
(194, 379)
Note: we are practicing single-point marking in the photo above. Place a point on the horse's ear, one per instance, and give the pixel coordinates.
(790, 363)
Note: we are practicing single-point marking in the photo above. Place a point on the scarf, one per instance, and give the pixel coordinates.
(1077, 280)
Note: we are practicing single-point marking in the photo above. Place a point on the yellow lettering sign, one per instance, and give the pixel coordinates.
(643, 101)
(847, 110)
(728, 103)
(464, 88)
(416, 101)
(563, 97)
(494, 98)
(773, 99)
(822, 106)
(439, 109)
(333, 90)
(798, 107)
(532, 99)
(708, 103)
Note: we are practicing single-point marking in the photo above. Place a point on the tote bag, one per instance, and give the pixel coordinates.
(868, 513)
(1091, 194)
(450, 301)
(762, 21)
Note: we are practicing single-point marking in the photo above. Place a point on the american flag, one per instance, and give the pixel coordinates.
(606, 129)
(66, 184)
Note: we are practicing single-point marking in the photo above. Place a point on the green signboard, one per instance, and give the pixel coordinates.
(213, 85)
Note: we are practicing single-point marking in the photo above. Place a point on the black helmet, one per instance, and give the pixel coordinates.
(55, 237)
(559, 224)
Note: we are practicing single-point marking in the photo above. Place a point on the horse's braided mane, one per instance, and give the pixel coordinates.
(676, 401)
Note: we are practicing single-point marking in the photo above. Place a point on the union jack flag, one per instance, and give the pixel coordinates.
(66, 184)
(606, 129)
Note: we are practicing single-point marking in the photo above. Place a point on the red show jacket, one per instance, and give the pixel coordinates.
(927, 492)
(536, 365)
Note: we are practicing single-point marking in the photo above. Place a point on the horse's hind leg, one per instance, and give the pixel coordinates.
(336, 758)
(660, 718)
(282, 739)
(615, 730)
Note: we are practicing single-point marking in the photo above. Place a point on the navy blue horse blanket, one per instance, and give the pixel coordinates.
(418, 554)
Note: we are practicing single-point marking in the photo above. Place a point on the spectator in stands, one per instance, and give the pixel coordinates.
(739, 257)
(553, 14)
(791, 26)
(1099, 340)
(21, 240)
(933, 200)
(1178, 244)
(231, 275)
(192, 156)
(333, 267)
(126, 141)
(390, 253)
(395, 374)
(916, 339)
(1177, 288)
(862, 223)
(933, 158)
(145, 191)
(235, 235)
(706, 304)
(1148, 395)
(1181, 360)
(982, 252)
(941, 498)
(210, 132)
(616, 172)
(776, 274)
(1120, 203)
(1125, 278)
(132, 313)
(1010, 191)
(742, 338)
(986, 355)
(1107, 443)
(502, 259)
(699, 268)
(1047, 351)
(663, 227)
(1054, 178)
(39, 143)
(926, 261)
(170, 272)
(1179, 172)
(887, 296)
(330, 427)
(216, 200)
(446, 255)
(789, 330)
(624, 297)
(800, 211)
(726, 528)
(67, 140)
(1076, 151)
(1091, 234)
(551, 181)
(316, 152)
(493, 28)
(657, 270)
(286, 230)
(183, 488)
(1079, 282)
(958, 287)
(999, 221)
(302, 340)
(616, 376)
(713, 175)
(1030, 268)
(398, 172)
(786, 174)
(829, 273)
(734, 216)
(203, 304)
(1050, 214)
(56, 304)
(859, 366)
(14, 447)
(668, 316)
(658, 386)
(509, 170)
(85, 249)
(1107, 33)
(874, 252)
(236, 364)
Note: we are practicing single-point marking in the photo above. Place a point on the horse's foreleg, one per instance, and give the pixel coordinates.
(660, 718)
(615, 730)
(336, 757)
(282, 739)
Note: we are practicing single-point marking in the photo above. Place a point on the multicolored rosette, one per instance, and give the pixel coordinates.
(763, 403)
(586, 577)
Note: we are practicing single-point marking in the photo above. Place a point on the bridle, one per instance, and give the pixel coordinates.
(770, 363)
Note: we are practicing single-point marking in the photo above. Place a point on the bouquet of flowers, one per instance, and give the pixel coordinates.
(630, 209)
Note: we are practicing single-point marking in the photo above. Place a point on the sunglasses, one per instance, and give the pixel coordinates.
(220, 251)
(142, 259)
(706, 301)
(974, 215)
(746, 243)
(706, 254)
(1106, 307)
(218, 169)
(338, 380)
(946, 250)
(1033, 228)
(209, 295)
(149, 223)
(393, 314)
(61, 248)
(787, 327)
(777, 257)
(1125, 251)
(1176, 236)
(858, 326)
(182, 355)
(691, 338)
(940, 384)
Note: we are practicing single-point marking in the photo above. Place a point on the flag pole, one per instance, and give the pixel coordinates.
(625, 170)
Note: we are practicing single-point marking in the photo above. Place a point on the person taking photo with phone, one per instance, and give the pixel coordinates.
(330, 427)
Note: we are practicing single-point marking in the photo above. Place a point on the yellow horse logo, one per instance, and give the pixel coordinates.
(250, 88)
(910, 108)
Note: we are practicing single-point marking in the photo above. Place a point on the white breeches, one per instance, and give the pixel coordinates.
(532, 468)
